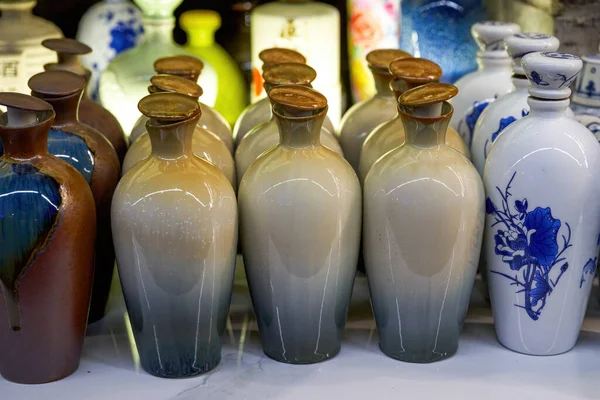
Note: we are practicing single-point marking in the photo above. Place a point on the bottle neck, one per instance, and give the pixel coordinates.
(66, 108)
(493, 63)
(17, 10)
(158, 30)
(520, 83)
(24, 135)
(200, 37)
(544, 108)
(382, 84)
(172, 141)
(300, 131)
(426, 127)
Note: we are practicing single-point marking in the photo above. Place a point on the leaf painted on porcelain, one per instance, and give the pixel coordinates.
(72, 149)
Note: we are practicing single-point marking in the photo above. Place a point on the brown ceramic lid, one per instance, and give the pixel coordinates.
(430, 93)
(23, 102)
(175, 84)
(415, 70)
(179, 65)
(56, 83)
(289, 74)
(67, 46)
(278, 55)
(380, 59)
(169, 107)
(294, 98)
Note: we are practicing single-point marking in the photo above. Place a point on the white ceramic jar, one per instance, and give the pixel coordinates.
(512, 106)
(586, 96)
(478, 89)
(543, 215)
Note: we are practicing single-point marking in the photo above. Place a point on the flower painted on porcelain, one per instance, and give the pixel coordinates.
(588, 269)
(365, 28)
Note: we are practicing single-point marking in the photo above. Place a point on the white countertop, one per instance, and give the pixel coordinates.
(482, 369)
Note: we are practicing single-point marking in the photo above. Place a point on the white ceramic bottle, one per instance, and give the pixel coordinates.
(586, 96)
(543, 215)
(512, 106)
(491, 80)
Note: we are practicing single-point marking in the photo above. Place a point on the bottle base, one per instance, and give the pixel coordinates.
(187, 370)
(301, 359)
(416, 357)
(521, 350)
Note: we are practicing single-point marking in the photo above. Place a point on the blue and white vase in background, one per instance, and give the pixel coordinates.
(512, 106)
(543, 215)
(443, 31)
(109, 28)
(491, 80)
(586, 96)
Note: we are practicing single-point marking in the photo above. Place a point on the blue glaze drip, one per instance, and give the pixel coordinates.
(72, 149)
(29, 203)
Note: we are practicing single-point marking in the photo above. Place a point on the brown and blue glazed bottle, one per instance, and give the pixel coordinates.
(175, 231)
(69, 53)
(300, 216)
(47, 231)
(423, 228)
(93, 156)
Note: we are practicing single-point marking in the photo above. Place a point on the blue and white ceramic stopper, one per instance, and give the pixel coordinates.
(587, 86)
(550, 73)
(521, 44)
(490, 35)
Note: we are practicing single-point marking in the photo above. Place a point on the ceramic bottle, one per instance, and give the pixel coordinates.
(90, 113)
(109, 27)
(205, 144)
(47, 230)
(93, 156)
(300, 278)
(123, 83)
(189, 68)
(266, 135)
(363, 117)
(239, 44)
(492, 79)
(21, 52)
(175, 230)
(586, 95)
(423, 226)
(543, 208)
(408, 73)
(200, 27)
(512, 106)
(260, 111)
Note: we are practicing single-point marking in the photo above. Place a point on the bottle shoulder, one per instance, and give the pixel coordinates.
(367, 114)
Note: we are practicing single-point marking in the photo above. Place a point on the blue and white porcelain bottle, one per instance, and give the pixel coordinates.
(491, 80)
(586, 96)
(512, 106)
(543, 215)
(109, 28)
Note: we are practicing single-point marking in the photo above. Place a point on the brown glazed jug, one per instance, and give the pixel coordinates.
(408, 73)
(175, 230)
(69, 53)
(365, 116)
(205, 144)
(93, 156)
(260, 111)
(300, 217)
(47, 231)
(266, 135)
(189, 67)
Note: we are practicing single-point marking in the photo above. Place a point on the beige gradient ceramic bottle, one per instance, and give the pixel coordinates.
(363, 117)
(205, 144)
(189, 67)
(266, 135)
(423, 227)
(300, 216)
(408, 73)
(175, 232)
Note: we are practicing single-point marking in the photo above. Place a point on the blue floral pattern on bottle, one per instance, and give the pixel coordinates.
(528, 243)
(472, 117)
(588, 269)
(504, 122)
(124, 35)
(563, 56)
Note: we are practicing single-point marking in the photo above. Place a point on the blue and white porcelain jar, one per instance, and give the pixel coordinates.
(109, 28)
(586, 96)
(543, 215)
(512, 106)
(491, 80)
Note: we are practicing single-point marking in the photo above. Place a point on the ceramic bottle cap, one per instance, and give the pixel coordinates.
(158, 9)
(278, 55)
(68, 52)
(294, 100)
(427, 100)
(415, 70)
(56, 84)
(587, 86)
(490, 35)
(520, 44)
(174, 84)
(169, 107)
(379, 60)
(551, 73)
(289, 74)
(200, 19)
(22, 110)
(184, 66)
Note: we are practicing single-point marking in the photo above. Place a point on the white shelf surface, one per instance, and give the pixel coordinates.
(482, 369)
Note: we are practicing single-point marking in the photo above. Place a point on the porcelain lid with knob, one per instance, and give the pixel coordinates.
(586, 90)
(289, 74)
(489, 36)
(379, 60)
(550, 73)
(415, 70)
(185, 66)
(158, 9)
(521, 44)
(169, 107)
(174, 84)
(295, 101)
(278, 55)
